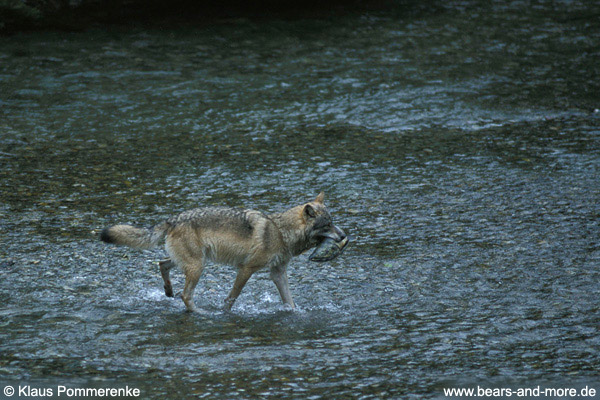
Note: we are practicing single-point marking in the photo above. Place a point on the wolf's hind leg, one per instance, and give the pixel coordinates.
(192, 275)
(165, 268)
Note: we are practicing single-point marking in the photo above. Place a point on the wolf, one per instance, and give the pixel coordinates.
(246, 239)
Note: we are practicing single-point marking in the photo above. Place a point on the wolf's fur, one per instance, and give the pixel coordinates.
(246, 239)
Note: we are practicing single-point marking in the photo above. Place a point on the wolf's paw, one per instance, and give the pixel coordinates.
(227, 304)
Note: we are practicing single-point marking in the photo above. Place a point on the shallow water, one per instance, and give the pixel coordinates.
(458, 144)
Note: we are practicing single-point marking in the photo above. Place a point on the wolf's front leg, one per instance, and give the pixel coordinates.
(244, 273)
(279, 276)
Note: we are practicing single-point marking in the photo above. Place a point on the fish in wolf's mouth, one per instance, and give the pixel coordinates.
(328, 249)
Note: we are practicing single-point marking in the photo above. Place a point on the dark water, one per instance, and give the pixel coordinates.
(458, 142)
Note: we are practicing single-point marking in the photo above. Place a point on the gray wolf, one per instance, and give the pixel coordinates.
(246, 239)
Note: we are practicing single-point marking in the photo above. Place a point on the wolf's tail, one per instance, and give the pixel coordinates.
(138, 238)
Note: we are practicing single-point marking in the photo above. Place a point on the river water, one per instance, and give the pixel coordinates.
(458, 143)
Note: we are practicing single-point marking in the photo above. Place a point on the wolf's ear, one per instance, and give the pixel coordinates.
(309, 211)
(320, 198)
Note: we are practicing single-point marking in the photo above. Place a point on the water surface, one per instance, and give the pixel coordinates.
(459, 144)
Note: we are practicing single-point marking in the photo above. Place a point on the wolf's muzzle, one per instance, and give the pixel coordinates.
(336, 234)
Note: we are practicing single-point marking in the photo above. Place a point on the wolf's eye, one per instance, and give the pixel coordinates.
(322, 223)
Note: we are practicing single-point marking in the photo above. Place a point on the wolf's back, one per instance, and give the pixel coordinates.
(139, 238)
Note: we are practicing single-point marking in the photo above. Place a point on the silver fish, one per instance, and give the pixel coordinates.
(328, 249)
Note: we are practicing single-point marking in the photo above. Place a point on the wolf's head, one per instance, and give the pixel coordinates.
(306, 226)
(318, 223)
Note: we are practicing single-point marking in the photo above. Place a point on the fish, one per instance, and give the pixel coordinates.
(328, 249)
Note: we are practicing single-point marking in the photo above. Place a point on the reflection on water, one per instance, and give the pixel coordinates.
(459, 145)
